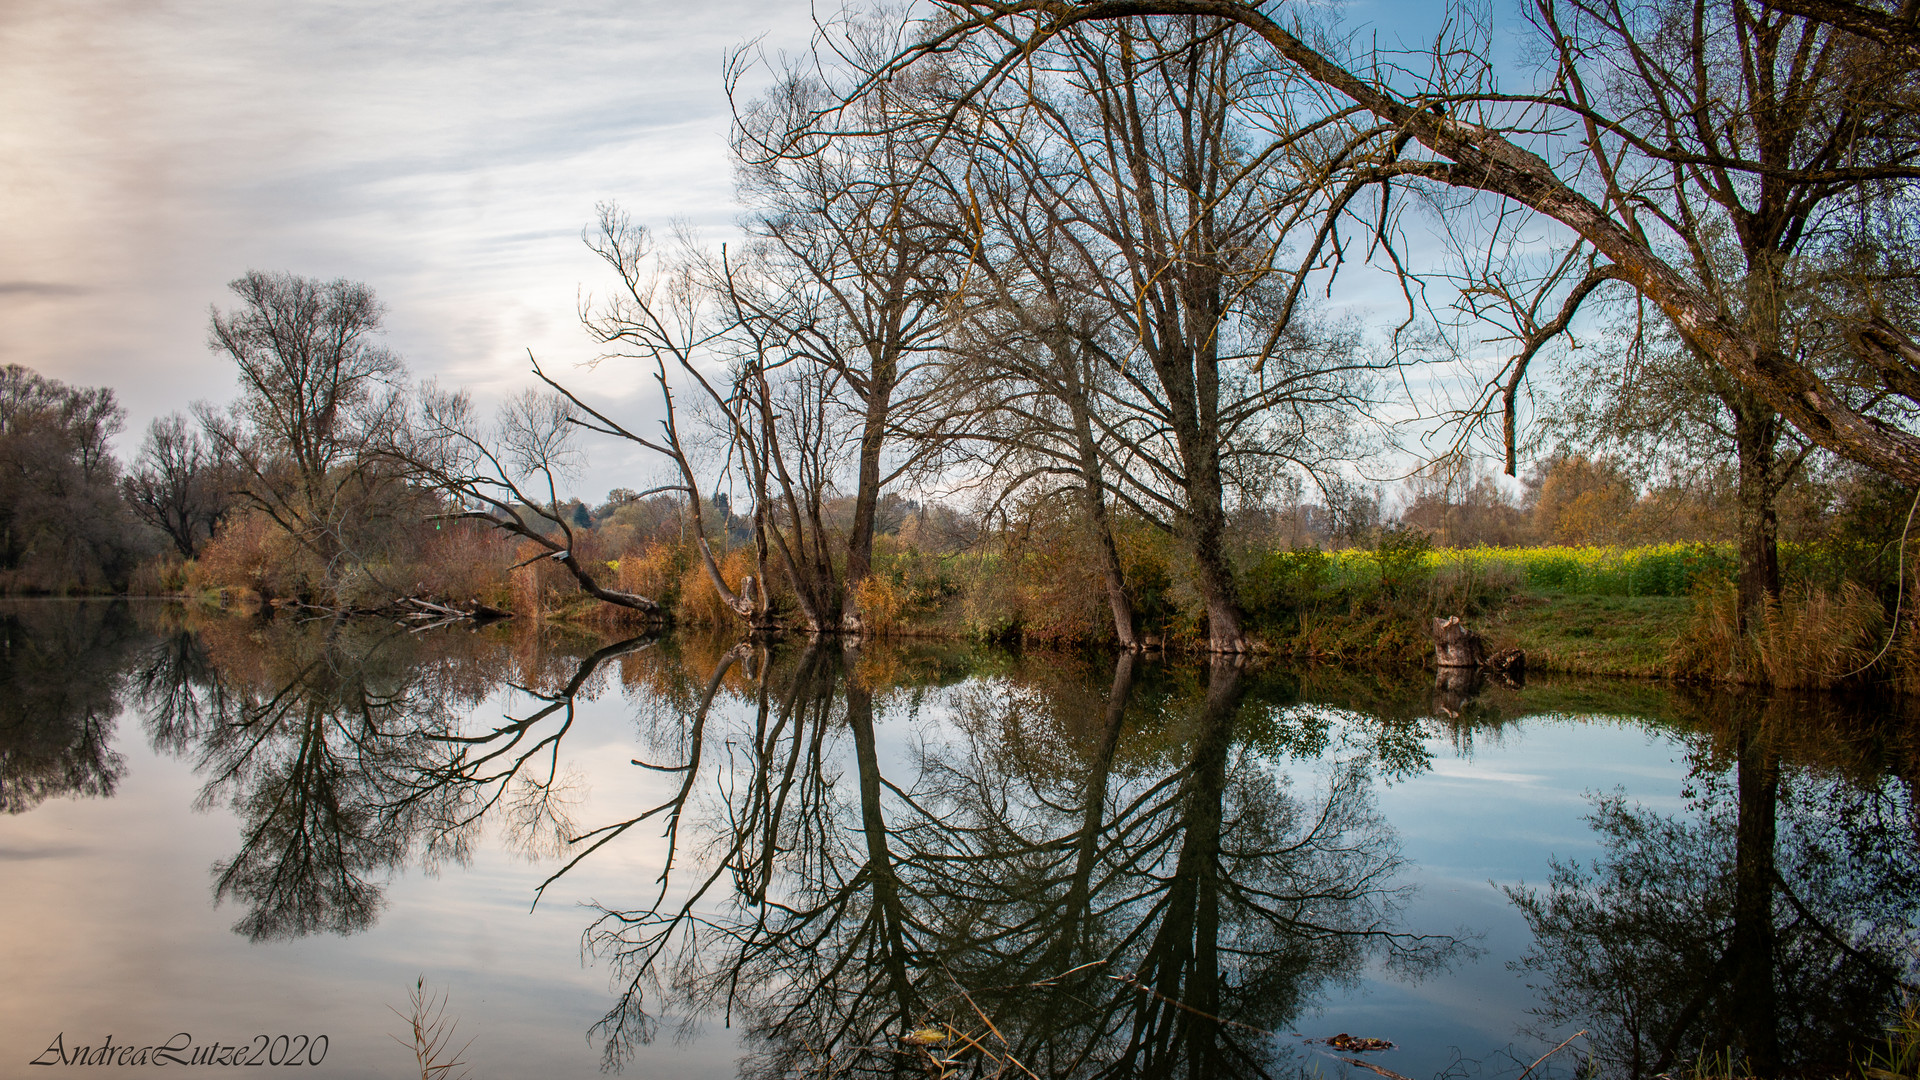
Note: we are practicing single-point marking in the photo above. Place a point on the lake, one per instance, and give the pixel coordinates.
(229, 840)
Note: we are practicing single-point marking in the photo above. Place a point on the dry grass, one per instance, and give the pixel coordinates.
(430, 1035)
(1807, 638)
(700, 603)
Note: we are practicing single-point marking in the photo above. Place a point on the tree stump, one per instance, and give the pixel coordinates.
(1455, 646)
(1510, 664)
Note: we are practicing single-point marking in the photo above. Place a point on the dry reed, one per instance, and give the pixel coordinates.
(1806, 638)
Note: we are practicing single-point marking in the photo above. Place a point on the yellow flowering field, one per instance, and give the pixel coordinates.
(1645, 570)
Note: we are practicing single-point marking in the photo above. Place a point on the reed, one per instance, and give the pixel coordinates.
(430, 1034)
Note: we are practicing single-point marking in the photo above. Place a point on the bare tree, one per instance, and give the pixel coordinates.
(62, 523)
(319, 397)
(856, 258)
(666, 315)
(1745, 144)
(180, 484)
(1153, 176)
(1856, 132)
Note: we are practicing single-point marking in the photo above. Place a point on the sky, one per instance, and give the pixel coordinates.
(445, 152)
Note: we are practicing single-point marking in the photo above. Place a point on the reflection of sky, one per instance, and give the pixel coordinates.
(1474, 822)
(447, 152)
(111, 930)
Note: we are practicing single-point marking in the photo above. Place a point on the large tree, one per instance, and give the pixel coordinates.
(1149, 228)
(320, 397)
(1824, 115)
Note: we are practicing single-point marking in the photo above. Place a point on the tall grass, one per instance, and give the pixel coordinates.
(1807, 638)
(430, 1033)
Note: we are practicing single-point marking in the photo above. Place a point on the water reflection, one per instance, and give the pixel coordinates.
(1093, 866)
(1776, 921)
(1113, 883)
(61, 669)
(325, 739)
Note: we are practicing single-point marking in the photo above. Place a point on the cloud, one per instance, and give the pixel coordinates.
(446, 152)
(41, 289)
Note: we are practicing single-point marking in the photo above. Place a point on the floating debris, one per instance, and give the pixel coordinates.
(1356, 1044)
(924, 1037)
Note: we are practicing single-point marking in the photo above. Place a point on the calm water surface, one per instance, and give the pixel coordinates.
(683, 858)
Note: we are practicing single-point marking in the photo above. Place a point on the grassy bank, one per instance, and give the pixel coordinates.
(1661, 610)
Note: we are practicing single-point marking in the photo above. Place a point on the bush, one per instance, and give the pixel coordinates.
(654, 571)
(255, 558)
(699, 603)
(1402, 553)
(1275, 586)
(1648, 570)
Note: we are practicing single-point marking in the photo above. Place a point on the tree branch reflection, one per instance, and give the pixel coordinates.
(1774, 923)
(1144, 838)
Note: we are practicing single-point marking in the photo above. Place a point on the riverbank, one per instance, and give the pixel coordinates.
(1812, 640)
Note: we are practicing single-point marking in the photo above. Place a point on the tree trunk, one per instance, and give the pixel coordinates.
(1756, 433)
(1093, 493)
(1206, 523)
(866, 500)
(888, 918)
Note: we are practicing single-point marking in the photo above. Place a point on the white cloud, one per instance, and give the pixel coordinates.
(446, 153)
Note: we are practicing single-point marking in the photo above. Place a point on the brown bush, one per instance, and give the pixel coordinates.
(653, 570)
(882, 603)
(699, 604)
(253, 556)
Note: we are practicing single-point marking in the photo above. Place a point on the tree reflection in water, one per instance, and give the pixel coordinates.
(1127, 887)
(61, 670)
(327, 739)
(1777, 923)
(1128, 871)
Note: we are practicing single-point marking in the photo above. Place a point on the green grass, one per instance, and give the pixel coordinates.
(1595, 635)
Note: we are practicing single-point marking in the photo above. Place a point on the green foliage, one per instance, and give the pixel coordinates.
(1402, 553)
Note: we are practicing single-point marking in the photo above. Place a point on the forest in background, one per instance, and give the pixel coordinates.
(1069, 354)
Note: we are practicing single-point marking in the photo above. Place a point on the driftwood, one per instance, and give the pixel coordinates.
(418, 609)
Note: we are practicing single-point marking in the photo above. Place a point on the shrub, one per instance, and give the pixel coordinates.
(699, 603)
(1402, 554)
(653, 570)
(254, 556)
(882, 603)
